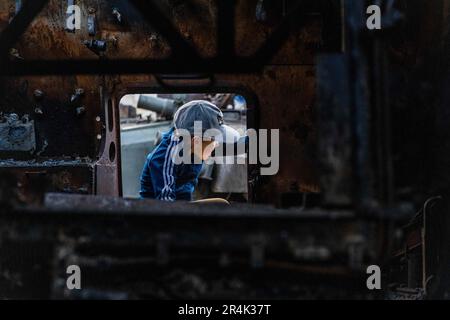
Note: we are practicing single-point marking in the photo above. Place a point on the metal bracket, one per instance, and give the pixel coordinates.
(17, 134)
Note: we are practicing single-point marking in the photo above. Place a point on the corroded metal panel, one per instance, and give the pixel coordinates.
(17, 134)
(79, 129)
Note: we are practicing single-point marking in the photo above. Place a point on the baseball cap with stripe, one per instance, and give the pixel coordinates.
(209, 115)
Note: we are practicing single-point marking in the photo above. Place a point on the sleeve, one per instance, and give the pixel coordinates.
(167, 189)
(146, 181)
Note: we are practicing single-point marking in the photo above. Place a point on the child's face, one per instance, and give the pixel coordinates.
(203, 149)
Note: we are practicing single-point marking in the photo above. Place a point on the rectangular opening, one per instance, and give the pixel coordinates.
(145, 118)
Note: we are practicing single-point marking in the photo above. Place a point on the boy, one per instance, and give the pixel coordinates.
(163, 179)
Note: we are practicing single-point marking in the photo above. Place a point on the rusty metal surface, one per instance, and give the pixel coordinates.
(77, 145)
(189, 28)
(62, 132)
(30, 181)
(138, 246)
(118, 206)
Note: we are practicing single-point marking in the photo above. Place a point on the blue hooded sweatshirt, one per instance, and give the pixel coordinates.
(162, 179)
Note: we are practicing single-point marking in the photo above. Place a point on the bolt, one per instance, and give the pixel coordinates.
(13, 118)
(38, 95)
(154, 40)
(114, 40)
(38, 111)
(96, 46)
(14, 53)
(117, 14)
(79, 93)
(81, 111)
(187, 36)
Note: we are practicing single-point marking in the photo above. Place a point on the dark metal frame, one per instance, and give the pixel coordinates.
(184, 58)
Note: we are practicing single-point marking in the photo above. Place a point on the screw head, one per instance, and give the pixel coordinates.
(38, 111)
(79, 91)
(80, 111)
(38, 94)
